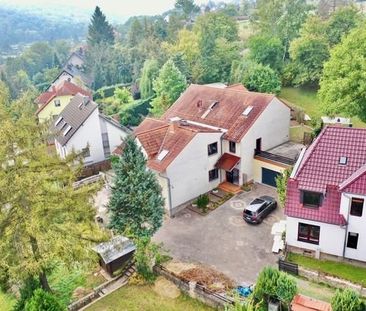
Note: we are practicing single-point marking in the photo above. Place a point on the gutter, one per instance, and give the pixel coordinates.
(298, 162)
(346, 231)
(169, 194)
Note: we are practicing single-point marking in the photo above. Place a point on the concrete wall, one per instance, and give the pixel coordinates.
(51, 110)
(188, 173)
(257, 168)
(273, 126)
(90, 133)
(331, 240)
(356, 225)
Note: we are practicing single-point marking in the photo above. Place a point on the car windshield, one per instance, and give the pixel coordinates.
(257, 201)
(248, 212)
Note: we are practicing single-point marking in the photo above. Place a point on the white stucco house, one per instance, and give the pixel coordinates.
(326, 195)
(80, 127)
(214, 136)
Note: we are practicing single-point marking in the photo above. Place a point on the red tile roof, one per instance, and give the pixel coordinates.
(194, 105)
(320, 171)
(156, 136)
(303, 303)
(65, 88)
(227, 162)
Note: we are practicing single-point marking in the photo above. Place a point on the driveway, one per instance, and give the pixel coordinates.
(222, 239)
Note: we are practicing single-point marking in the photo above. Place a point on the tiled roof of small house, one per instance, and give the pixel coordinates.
(65, 88)
(334, 162)
(163, 141)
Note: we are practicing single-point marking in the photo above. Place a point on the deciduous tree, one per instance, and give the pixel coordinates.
(136, 205)
(168, 86)
(149, 73)
(341, 87)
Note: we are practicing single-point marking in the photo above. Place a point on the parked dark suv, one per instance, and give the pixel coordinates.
(258, 209)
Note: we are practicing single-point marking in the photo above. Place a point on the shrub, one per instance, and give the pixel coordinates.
(43, 301)
(133, 113)
(26, 292)
(202, 202)
(347, 300)
(281, 184)
(147, 255)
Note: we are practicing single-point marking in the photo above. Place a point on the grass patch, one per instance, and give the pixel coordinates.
(6, 302)
(136, 298)
(297, 133)
(245, 30)
(342, 270)
(306, 98)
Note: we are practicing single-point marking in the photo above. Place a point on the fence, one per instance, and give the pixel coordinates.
(88, 180)
(288, 267)
(195, 290)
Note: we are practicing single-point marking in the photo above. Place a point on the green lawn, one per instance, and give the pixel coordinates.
(6, 302)
(136, 298)
(306, 99)
(345, 271)
(245, 30)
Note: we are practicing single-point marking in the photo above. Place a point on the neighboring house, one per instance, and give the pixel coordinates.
(72, 74)
(326, 194)
(52, 102)
(209, 137)
(81, 128)
(77, 58)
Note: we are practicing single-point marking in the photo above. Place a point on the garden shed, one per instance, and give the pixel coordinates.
(114, 254)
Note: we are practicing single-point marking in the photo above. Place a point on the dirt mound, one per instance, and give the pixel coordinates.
(178, 267)
(165, 288)
(208, 277)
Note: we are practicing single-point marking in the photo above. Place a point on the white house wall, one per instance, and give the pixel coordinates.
(272, 126)
(331, 240)
(356, 225)
(188, 173)
(90, 133)
(115, 135)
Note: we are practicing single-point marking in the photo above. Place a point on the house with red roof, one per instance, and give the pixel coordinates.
(213, 136)
(326, 194)
(52, 102)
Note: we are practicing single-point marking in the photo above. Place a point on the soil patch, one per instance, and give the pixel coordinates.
(165, 288)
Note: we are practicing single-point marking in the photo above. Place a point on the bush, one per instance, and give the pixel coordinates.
(202, 202)
(43, 301)
(147, 255)
(274, 285)
(281, 184)
(132, 114)
(108, 91)
(26, 292)
(347, 300)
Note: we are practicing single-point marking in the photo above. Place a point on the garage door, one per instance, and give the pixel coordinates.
(269, 177)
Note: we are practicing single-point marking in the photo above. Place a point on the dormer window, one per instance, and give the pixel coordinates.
(311, 199)
(162, 154)
(343, 160)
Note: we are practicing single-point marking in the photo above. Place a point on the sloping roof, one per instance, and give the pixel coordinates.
(115, 248)
(114, 123)
(227, 162)
(320, 165)
(320, 170)
(65, 88)
(163, 141)
(74, 115)
(304, 303)
(220, 107)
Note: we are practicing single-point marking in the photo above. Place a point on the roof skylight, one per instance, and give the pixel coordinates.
(247, 111)
(68, 129)
(162, 154)
(58, 120)
(343, 160)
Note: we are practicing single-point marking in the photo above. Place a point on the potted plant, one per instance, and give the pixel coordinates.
(215, 190)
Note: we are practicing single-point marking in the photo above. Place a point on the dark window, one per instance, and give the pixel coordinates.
(352, 240)
(106, 147)
(212, 148)
(311, 199)
(308, 233)
(57, 103)
(232, 146)
(86, 152)
(213, 174)
(357, 207)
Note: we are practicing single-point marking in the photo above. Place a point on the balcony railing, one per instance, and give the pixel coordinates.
(274, 157)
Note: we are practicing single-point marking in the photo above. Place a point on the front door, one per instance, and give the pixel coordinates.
(233, 176)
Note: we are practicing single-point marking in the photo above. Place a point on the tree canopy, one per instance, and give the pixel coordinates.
(136, 205)
(341, 86)
(100, 31)
(37, 227)
(168, 86)
(149, 73)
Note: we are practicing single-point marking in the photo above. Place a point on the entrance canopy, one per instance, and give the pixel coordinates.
(227, 162)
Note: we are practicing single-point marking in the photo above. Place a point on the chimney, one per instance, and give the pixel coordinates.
(199, 103)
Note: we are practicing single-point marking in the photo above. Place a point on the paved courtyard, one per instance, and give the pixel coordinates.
(222, 239)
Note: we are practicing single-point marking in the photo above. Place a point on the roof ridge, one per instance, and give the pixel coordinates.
(353, 177)
(234, 90)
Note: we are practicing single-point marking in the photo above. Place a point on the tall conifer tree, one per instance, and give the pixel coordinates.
(100, 31)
